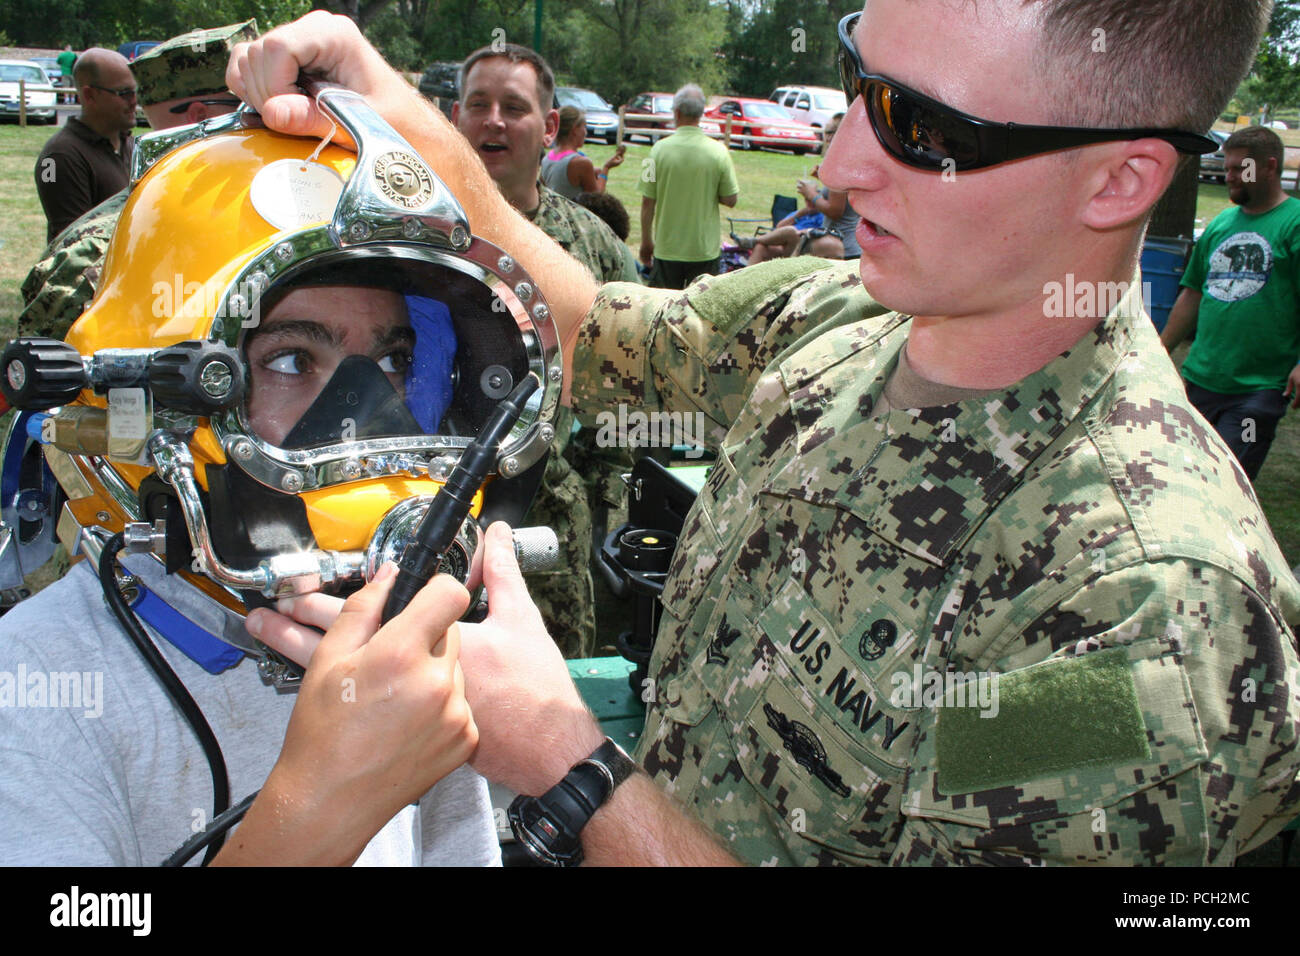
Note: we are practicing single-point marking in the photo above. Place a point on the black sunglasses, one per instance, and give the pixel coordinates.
(927, 134)
(126, 92)
(229, 101)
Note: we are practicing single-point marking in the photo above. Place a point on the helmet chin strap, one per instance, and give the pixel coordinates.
(358, 393)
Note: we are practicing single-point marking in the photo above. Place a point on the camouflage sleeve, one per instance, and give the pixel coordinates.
(1161, 729)
(702, 350)
(63, 281)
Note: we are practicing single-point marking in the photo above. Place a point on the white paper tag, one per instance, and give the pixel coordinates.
(128, 423)
(293, 193)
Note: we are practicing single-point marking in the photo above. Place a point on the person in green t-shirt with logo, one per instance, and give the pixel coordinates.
(1241, 296)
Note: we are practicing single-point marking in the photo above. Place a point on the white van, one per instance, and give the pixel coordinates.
(812, 104)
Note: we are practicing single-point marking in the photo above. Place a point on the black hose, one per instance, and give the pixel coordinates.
(216, 831)
(171, 684)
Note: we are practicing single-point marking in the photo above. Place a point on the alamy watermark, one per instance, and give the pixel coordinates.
(1082, 299)
(53, 689)
(933, 688)
(195, 300)
(638, 429)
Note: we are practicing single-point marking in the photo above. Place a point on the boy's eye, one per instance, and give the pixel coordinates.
(287, 363)
(395, 363)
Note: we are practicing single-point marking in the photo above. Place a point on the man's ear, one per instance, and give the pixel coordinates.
(552, 126)
(455, 114)
(196, 113)
(1127, 179)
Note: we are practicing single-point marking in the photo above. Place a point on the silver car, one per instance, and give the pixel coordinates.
(1212, 164)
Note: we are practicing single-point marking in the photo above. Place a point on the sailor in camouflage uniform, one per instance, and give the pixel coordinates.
(503, 89)
(1083, 535)
(1063, 529)
(180, 81)
(579, 465)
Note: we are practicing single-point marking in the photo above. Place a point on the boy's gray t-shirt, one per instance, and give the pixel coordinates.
(102, 769)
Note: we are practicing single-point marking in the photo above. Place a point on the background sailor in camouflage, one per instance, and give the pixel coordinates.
(180, 81)
(501, 113)
(62, 283)
(587, 238)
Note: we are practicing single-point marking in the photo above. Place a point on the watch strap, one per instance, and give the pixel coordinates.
(550, 826)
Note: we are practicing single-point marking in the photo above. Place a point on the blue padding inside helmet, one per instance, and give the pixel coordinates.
(428, 380)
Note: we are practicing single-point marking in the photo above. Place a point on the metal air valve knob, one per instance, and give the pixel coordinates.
(36, 374)
(197, 377)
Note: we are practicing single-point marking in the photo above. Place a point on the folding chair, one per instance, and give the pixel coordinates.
(782, 206)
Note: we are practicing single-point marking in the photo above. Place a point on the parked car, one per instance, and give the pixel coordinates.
(1212, 164)
(762, 124)
(51, 68)
(40, 106)
(814, 105)
(654, 111)
(441, 83)
(133, 48)
(602, 121)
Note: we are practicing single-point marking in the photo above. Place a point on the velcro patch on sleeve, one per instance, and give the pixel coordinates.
(732, 300)
(1052, 717)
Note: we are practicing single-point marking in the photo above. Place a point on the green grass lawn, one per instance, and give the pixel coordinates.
(22, 223)
(761, 175)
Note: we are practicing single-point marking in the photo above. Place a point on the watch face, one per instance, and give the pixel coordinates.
(541, 835)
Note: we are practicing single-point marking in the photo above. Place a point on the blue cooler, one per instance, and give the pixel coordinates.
(1163, 262)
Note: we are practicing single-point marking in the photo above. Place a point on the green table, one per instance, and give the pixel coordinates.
(602, 681)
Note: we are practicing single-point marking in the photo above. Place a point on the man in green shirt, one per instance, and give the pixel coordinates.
(687, 176)
(65, 60)
(1241, 295)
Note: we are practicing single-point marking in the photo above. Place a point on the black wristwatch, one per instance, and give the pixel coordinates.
(550, 826)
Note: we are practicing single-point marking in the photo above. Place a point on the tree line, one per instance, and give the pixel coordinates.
(616, 47)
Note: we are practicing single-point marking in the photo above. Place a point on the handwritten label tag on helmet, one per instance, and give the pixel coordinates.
(293, 194)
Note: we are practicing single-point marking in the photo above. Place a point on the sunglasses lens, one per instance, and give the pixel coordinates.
(918, 134)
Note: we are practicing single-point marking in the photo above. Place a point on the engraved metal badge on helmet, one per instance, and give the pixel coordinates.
(403, 179)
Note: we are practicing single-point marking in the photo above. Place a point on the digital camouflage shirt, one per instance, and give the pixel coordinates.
(63, 281)
(1081, 548)
(569, 494)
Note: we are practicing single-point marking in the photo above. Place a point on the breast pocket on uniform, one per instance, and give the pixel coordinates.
(814, 734)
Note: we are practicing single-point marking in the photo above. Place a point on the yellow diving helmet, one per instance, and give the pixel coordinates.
(290, 349)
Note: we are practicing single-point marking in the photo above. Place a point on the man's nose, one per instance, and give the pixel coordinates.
(854, 159)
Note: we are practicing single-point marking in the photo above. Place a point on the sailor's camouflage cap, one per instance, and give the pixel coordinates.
(192, 64)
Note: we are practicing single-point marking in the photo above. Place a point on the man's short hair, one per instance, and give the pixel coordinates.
(1158, 63)
(1260, 143)
(689, 101)
(515, 54)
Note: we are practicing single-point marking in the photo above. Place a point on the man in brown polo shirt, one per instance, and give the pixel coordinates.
(89, 159)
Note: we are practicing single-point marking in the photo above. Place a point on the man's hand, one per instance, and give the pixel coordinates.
(1293, 387)
(264, 73)
(381, 717)
(533, 725)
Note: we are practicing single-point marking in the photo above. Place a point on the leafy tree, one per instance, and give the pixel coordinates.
(781, 42)
(1274, 82)
(621, 47)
